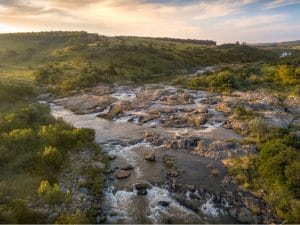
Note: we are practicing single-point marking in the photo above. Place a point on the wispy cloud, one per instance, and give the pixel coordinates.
(280, 3)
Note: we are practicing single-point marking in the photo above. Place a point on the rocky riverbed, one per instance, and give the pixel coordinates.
(166, 147)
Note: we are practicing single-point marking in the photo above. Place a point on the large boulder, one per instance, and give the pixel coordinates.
(150, 155)
(117, 108)
(120, 174)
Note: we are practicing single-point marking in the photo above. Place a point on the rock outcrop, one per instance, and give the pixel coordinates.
(86, 103)
(222, 150)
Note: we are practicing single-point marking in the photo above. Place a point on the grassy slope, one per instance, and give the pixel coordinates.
(134, 58)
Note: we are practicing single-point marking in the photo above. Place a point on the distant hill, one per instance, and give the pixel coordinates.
(85, 58)
(284, 44)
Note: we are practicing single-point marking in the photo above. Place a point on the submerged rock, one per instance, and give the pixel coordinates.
(142, 192)
(112, 157)
(127, 167)
(140, 186)
(163, 203)
(191, 188)
(120, 174)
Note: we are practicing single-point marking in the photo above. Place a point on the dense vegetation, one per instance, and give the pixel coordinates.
(278, 77)
(34, 147)
(274, 172)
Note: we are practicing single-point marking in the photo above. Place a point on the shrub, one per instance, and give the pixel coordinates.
(286, 75)
(14, 92)
(222, 81)
(51, 158)
(244, 114)
(257, 127)
(52, 195)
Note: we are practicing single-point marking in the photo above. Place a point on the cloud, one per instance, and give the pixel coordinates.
(221, 20)
(256, 22)
(280, 3)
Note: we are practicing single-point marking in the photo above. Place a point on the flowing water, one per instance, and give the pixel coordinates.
(124, 139)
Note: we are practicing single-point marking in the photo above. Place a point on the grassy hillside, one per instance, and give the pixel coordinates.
(78, 59)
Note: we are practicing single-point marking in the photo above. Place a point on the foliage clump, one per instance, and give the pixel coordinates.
(34, 147)
(52, 194)
(285, 78)
(275, 170)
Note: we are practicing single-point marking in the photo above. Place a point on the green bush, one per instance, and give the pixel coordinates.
(275, 169)
(52, 194)
(15, 91)
(222, 81)
(52, 159)
(240, 112)
(257, 127)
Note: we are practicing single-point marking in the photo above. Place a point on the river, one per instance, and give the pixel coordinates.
(161, 204)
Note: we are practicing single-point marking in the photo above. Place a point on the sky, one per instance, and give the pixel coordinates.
(224, 21)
